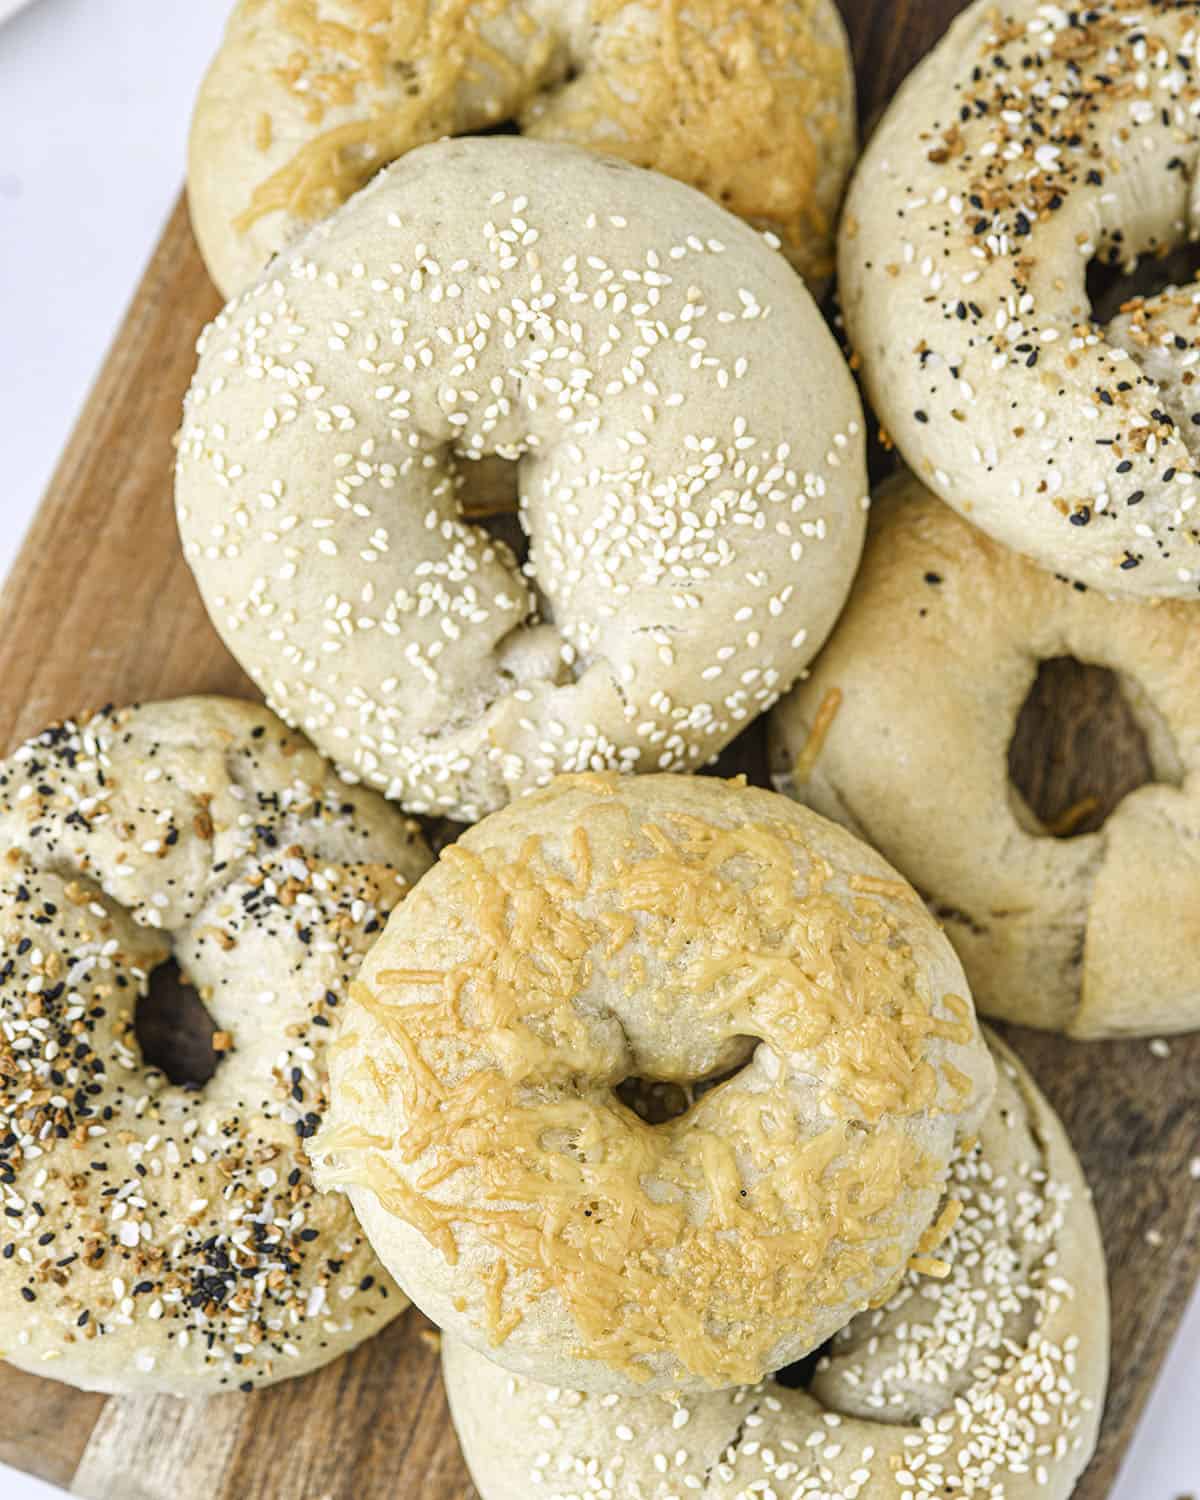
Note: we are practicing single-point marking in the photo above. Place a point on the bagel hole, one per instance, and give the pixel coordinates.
(1077, 749)
(1111, 283)
(488, 493)
(798, 1376)
(489, 497)
(507, 528)
(747, 756)
(657, 1100)
(174, 1030)
(654, 1101)
(501, 127)
(557, 75)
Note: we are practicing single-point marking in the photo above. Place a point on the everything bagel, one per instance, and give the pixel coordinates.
(158, 1238)
(931, 661)
(690, 457)
(672, 930)
(751, 101)
(989, 1381)
(1032, 141)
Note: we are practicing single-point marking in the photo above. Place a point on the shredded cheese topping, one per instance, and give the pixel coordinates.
(782, 1192)
(806, 761)
(747, 101)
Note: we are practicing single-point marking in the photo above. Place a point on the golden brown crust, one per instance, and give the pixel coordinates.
(752, 101)
(666, 928)
(988, 1381)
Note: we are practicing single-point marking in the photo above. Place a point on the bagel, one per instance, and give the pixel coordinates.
(989, 1382)
(691, 472)
(1032, 141)
(672, 930)
(156, 1237)
(751, 101)
(934, 655)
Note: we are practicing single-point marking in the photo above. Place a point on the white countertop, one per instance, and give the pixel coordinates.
(89, 168)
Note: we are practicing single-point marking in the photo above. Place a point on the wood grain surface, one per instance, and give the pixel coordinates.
(101, 607)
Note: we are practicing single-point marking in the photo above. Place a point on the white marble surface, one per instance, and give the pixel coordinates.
(89, 168)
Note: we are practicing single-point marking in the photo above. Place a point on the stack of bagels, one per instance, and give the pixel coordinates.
(522, 473)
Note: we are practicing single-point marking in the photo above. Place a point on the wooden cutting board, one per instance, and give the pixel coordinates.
(101, 607)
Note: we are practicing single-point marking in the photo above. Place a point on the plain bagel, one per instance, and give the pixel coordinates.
(159, 1238)
(1034, 140)
(691, 470)
(989, 1381)
(751, 101)
(902, 733)
(673, 930)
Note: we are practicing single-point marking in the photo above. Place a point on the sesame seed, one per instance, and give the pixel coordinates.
(664, 472)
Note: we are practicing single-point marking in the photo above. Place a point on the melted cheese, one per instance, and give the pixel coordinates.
(806, 761)
(712, 1234)
(738, 100)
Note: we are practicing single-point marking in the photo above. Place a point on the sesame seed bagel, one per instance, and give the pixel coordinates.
(691, 471)
(1033, 141)
(751, 101)
(989, 1381)
(928, 669)
(156, 1237)
(667, 930)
